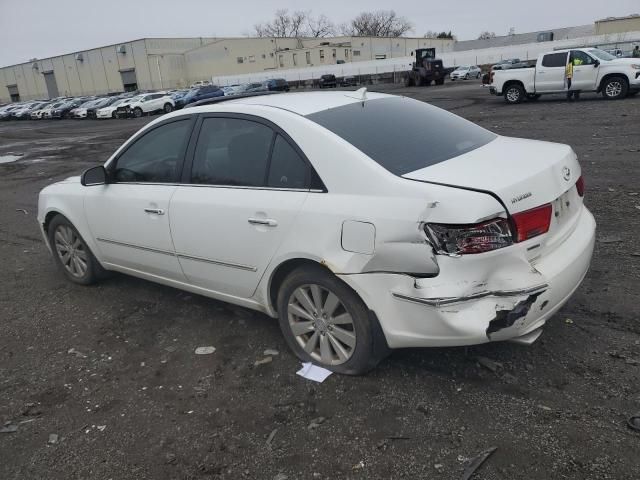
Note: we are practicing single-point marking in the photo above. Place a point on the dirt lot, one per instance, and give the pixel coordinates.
(111, 369)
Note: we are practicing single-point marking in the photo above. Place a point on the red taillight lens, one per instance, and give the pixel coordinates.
(467, 239)
(580, 186)
(532, 223)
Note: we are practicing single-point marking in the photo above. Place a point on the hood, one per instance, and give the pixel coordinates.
(75, 179)
(523, 173)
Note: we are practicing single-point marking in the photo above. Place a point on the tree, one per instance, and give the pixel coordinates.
(486, 35)
(446, 35)
(320, 27)
(430, 34)
(381, 23)
(283, 25)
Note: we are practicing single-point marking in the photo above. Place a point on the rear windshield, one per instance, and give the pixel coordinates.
(401, 134)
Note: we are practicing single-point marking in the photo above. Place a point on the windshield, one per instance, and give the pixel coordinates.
(601, 54)
(401, 134)
(463, 68)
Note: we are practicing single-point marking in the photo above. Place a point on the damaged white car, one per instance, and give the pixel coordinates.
(363, 222)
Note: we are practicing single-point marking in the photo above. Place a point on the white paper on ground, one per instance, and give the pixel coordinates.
(314, 372)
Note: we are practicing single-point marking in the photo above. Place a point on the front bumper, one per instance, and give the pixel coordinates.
(468, 304)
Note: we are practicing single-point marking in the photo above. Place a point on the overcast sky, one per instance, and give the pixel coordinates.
(44, 28)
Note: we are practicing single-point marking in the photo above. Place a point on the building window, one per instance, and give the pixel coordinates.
(295, 59)
(281, 60)
(380, 56)
(240, 60)
(264, 56)
(356, 53)
(271, 54)
(322, 55)
(346, 53)
(252, 59)
(333, 53)
(308, 58)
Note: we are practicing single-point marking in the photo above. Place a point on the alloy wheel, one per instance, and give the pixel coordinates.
(613, 89)
(513, 94)
(71, 251)
(321, 324)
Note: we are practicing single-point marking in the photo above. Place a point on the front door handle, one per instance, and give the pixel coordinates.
(269, 222)
(157, 211)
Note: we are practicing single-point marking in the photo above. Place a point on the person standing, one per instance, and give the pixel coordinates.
(568, 75)
(636, 52)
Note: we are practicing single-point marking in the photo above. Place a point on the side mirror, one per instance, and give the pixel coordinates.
(94, 176)
(596, 64)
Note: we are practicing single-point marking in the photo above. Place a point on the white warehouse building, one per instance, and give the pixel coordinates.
(163, 63)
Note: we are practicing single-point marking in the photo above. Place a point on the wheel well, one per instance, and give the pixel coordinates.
(47, 220)
(513, 82)
(608, 76)
(281, 272)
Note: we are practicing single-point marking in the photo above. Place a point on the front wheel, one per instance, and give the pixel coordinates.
(514, 93)
(114, 114)
(137, 112)
(325, 322)
(168, 108)
(466, 77)
(71, 253)
(615, 88)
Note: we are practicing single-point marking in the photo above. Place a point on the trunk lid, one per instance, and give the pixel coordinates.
(523, 173)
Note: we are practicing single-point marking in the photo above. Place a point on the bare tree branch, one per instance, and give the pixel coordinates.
(486, 35)
(381, 23)
(320, 27)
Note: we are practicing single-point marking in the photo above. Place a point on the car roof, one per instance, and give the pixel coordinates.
(302, 103)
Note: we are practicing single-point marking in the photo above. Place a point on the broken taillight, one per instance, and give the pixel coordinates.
(580, 186)
(467, 239)
(532, 223)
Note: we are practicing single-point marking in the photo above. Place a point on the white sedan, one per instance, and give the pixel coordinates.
(148, 103)
(465, 73)
(363, 222)
(110, 111)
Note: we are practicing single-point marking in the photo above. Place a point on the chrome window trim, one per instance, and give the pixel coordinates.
(240, 187)
(238, 266)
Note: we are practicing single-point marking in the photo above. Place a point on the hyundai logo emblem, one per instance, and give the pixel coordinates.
(566, 173)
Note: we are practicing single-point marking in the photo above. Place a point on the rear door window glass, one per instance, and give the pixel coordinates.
(555, 60)
(287, 169)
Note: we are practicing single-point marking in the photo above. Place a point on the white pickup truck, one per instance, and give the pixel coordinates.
(594, 71)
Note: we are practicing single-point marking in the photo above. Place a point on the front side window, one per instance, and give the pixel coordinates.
(155, 156)
(231, 151)
(555, 60)
(580, 58)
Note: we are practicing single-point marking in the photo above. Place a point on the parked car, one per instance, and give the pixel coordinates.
(81, 111)
(508, 63)
(348, 81)
(197, 94)
(37, 113)
(254, 87)
(466, 72)
(48, 111)
(147, 103)
(452, 235)
(327, 81)
(64, 110)
(5, 112)
(110, 111)
(277, 85)
(201, 83)
(24, 112)
(103, 102)
(597, 71)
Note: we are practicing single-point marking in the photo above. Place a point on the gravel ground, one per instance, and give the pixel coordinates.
(102, 382)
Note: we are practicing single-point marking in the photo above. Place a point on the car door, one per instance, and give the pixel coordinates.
(550, 74)
(242, 194)
(128, 217)
(585, 71)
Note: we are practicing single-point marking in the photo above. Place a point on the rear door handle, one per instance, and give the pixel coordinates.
(157, 211)
(269, 222)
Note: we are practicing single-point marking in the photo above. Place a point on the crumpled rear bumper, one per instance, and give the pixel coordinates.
(473, 301)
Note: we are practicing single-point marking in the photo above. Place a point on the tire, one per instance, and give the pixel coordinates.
(615, 88)
(81, 266)
(409, 82)
(168, 108)
(532, 97)
(478, 76)
(137, 112)
(514, 93)
(351, 347)
(466, 77)
(114, 114)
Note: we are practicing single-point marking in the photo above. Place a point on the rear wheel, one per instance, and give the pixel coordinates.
(514, 93)
(71, 253)
(615, 88)
(137, 112)
(168, 108)
(466, 77)
(325, 322)
(114, 114)
(478, 75)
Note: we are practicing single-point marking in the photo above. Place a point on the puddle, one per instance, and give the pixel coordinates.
(9, 158)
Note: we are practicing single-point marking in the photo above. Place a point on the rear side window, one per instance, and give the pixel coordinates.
(231, 151)
(155, 156)
(401, 134)
(555, 60)
(287, 169)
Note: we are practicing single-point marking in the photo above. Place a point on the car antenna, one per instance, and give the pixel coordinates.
(360, 94)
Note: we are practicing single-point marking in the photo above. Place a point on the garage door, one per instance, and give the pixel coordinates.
(129, 80)
(13, 93)
(52, 85)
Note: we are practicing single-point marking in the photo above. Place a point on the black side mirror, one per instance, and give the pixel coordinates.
(94, 176)
(596, 64)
